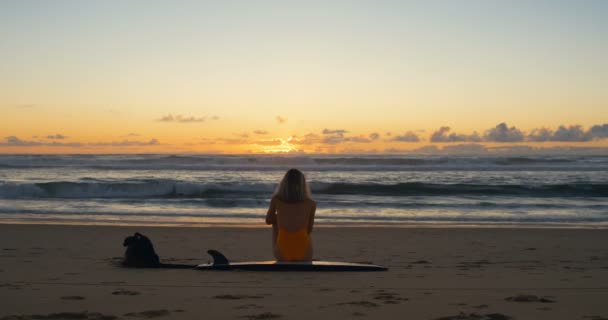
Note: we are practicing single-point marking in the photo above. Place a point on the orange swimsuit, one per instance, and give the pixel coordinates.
(293, 246)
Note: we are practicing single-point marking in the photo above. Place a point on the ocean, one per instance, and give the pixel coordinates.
(350, 190)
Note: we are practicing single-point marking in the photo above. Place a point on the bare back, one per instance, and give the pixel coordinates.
(293, 216)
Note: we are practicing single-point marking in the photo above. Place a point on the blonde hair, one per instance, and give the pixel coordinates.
(293, 187)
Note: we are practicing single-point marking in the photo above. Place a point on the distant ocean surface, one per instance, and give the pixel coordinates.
(365, 190)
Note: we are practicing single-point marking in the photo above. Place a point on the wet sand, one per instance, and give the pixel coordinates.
(70, 272)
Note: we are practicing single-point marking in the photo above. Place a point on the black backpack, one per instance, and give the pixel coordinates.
(140, 252)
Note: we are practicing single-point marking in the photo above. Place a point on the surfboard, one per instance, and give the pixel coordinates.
(220, 262)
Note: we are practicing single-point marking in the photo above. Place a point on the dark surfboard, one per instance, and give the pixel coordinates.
(220, 262)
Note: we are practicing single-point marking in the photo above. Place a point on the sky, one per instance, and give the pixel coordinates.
(307, 76)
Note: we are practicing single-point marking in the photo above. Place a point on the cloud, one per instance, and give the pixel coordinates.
(260, 132)
(571, 133)
(56, 137)
(540, 135)
(281, 119)
(215, 117)
(359, 139)
(310, 138)
(333, 136)
(406, 137)
(443, 135)
(599, 131)
(337, 132)
(126, 143)
(502, 133)
(132, 134)
(182, 119)
(374, 136)
(224, 141)
(271, 142)
(13, 141)
(333, 139)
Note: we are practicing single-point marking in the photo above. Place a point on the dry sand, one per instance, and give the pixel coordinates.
(69, 272)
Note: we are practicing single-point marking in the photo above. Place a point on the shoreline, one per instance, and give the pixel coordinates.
(429, 225)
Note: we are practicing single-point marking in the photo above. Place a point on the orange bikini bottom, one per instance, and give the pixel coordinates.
(293, 246)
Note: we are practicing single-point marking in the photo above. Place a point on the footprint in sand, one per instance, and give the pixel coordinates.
(475, 316)
(365, 304)
(123, 292)
(62, 315)
(236, 297)
(72, 298)
(389, 298)
(149, 314)
(529, 298)
(248, 306)
(262, 316)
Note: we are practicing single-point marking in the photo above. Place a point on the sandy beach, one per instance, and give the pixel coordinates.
(70, 272)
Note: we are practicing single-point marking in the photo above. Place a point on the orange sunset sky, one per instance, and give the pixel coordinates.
(314, 77)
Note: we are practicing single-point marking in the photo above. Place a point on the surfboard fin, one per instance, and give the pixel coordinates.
(218, 258)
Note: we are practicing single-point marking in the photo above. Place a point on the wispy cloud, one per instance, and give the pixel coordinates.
(406, 137)
(307, 139)
(126, 143)
(14, 141)
(184, 119)
(333, 136)
(337, 131)
(270, 142)
(239, 141)
(281, 119)
(56, 137)
(359, 139)
(374, 136)
(260, 132)
(132, 134)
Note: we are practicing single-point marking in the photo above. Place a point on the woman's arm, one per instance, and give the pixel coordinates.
(311, 222)
(271, 215)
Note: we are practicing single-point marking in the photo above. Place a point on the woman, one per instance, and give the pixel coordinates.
(292, 215)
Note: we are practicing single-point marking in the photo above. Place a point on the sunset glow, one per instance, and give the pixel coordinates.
(314, 77)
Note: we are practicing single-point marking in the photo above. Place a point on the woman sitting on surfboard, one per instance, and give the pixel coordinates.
(292, 215)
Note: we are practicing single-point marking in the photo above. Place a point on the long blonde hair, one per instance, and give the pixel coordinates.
(293, 187)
